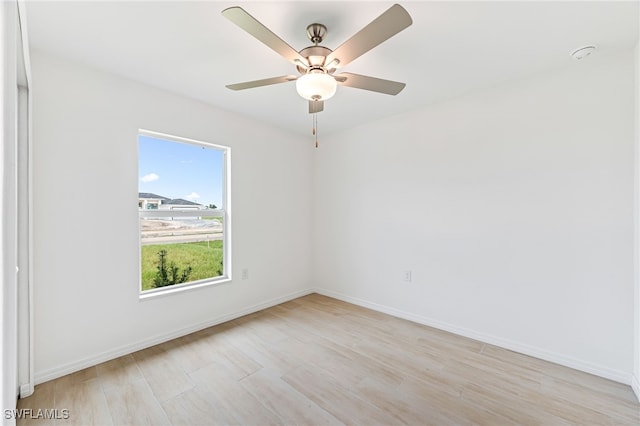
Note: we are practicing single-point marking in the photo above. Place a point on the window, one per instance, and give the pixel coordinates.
(184, 213)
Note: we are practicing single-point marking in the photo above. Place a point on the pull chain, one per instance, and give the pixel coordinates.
(315, 127)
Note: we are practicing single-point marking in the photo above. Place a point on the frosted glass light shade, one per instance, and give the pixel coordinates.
(316, 86)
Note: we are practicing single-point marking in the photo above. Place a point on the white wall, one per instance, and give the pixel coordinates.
(512, 206)
(85, 127)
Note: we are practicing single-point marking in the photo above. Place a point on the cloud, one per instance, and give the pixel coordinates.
(150, 177)
(192, 196)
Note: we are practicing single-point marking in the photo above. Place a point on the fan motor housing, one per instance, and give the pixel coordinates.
(316, 32)
(315, 55)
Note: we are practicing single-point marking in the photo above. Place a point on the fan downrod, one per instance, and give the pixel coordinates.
(316, 33)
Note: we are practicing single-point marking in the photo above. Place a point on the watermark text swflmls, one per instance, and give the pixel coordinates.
(40, 413)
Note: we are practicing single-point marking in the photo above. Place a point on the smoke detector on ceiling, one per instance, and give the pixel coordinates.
(583, 52)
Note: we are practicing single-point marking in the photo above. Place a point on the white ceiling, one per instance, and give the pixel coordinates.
(451, 48)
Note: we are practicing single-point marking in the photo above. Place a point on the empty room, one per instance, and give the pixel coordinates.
(320, 212)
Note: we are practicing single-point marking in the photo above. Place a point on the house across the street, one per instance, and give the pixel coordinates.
(150, 201)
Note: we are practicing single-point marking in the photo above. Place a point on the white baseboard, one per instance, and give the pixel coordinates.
(635, 385)
(26, 390)
(72, 367)
(522, 348)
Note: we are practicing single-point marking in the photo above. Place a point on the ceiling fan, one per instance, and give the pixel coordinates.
(317, 64)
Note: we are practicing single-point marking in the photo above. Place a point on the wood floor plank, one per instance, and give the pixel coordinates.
(407, 407)
(341, 402)
(224, 391)
(346, 366)
(166, 379)
(290, 405)
(118, 372)
(233, 359)
(599, 400)
(78, 377)
(454, 408)
(86, 403)
(284, 324)
(197, 407)
(263, 326)
(267, 355)
(518, 409)
(190, 352)
(133, 403)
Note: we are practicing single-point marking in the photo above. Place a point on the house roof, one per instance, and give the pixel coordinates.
(165, 200)
(180, 201)
(151, 195)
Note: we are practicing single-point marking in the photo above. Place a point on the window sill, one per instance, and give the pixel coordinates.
(152, 294)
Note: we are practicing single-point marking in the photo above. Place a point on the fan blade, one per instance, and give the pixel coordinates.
(374, 84)
(316, 106)
(258, 83)
(385, 26)
(241, 18)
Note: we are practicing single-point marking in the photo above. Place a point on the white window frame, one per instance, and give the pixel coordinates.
(223, 212)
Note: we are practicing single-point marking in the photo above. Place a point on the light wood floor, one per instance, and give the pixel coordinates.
(319, 361)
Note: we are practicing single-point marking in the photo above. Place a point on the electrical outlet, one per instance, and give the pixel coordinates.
(407, 276)
(245, 274)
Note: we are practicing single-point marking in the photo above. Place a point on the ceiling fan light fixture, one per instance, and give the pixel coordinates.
(316, 86)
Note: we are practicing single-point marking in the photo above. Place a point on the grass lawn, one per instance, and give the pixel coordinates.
(204, 258)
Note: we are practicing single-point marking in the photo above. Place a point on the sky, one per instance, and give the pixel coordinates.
(180, 170)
